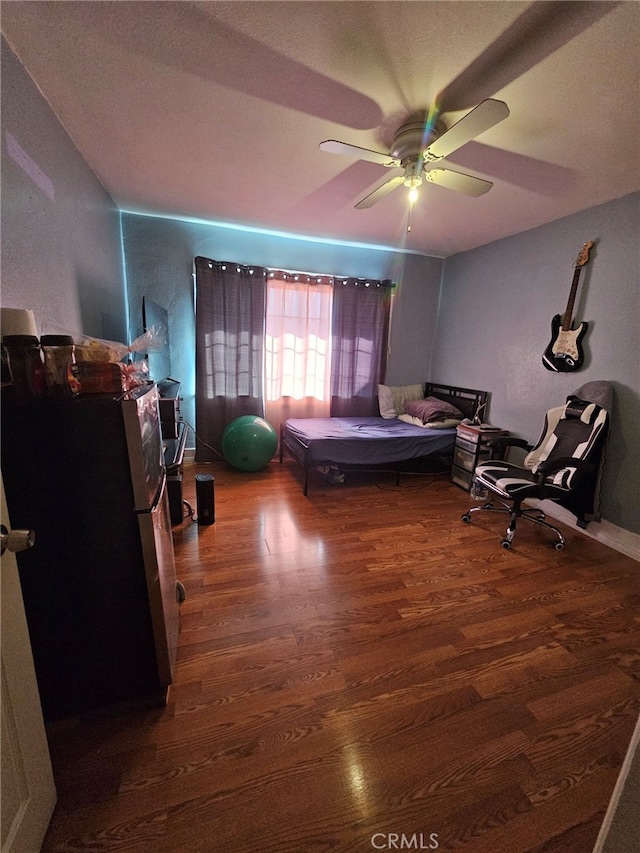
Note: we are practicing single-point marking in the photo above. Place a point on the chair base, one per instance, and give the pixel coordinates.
(515, 512)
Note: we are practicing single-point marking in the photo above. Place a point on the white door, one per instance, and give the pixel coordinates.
(28, 792)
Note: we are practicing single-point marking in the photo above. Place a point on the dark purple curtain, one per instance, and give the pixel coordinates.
(360, 332)
(230, 315)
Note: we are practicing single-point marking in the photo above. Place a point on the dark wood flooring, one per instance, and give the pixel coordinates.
(359, 670)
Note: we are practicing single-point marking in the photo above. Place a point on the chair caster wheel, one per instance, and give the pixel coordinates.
(559, 546)
(181, 592)
(466, 518)
(506, 543)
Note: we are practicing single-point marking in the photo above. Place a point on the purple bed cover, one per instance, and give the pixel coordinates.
(367, 441)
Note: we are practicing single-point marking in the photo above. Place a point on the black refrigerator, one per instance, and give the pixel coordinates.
(99, 584)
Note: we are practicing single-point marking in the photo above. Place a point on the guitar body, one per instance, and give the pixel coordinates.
(564, 352)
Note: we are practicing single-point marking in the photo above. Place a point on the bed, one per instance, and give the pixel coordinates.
(384, 442)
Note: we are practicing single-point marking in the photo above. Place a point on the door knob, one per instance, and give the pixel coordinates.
(16, 540)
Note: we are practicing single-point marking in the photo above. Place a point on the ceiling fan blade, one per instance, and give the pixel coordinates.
(481, 118)
(335, 147)
(380, 192)
(458, 181)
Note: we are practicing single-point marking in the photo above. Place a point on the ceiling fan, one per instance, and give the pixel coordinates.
(417, 145)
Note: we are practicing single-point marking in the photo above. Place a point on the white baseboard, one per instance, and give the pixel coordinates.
(609, 534)
(611, 818)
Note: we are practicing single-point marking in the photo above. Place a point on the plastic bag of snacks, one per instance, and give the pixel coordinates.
(111, 377)
(96, 349)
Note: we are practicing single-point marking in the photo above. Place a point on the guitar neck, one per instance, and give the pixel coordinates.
(568, 314)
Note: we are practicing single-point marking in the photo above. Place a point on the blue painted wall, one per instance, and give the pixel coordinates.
(159, 256)
(494, 323)
(61, 252)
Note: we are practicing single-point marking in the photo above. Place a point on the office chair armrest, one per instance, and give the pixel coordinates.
(551, 466)
(504, 441)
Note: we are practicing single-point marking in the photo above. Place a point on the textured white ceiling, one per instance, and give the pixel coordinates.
(215, 110)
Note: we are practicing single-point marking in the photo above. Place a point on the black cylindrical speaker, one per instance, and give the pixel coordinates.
(205, 499)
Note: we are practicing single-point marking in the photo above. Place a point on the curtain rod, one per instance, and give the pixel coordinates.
(310, 276)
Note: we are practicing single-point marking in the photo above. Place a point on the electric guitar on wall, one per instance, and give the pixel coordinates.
(564, 352)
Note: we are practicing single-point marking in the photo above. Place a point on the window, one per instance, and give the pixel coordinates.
(297, 348)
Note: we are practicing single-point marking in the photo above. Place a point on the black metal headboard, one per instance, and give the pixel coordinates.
(471, 403)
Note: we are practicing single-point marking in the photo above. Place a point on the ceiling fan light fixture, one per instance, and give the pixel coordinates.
(413, 180)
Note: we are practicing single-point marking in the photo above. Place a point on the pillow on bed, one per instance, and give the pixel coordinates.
(447, 423)
(393, 399)
(432, 409)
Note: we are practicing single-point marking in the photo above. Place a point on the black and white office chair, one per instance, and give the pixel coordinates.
(563, 466)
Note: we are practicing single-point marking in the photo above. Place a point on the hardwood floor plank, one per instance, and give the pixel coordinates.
(607, 687)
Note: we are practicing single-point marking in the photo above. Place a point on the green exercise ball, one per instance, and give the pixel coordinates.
(249, 443)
